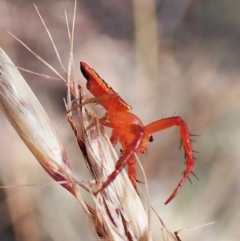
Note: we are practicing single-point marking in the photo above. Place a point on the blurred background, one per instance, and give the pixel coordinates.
(165, 58)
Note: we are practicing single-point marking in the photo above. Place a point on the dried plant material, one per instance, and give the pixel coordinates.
(29, 119)
(188, 229)
(32, 124)
(167, 235)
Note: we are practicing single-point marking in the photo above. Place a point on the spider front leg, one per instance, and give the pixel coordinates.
(185, 137)
(126, 156)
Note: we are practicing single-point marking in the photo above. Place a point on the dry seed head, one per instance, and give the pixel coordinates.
(31, 122)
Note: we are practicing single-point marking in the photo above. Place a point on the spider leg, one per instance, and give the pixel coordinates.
(124, 158)
(132, 171)
(114, 137)
(185, 138)
(94, 100)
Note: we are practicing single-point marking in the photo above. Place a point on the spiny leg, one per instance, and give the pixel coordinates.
(123, 160)
(132, 171)
(95, 100)
(114, 137)
(185, 136)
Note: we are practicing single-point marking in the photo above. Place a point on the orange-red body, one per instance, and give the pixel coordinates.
(129, 130)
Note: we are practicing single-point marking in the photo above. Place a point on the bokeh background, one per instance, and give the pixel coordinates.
(165, 58)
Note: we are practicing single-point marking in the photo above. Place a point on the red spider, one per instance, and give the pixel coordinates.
(129, 130)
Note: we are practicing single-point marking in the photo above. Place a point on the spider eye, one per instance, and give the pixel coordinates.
(151, 139)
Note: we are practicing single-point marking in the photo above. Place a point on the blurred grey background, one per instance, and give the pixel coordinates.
(165, 58)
